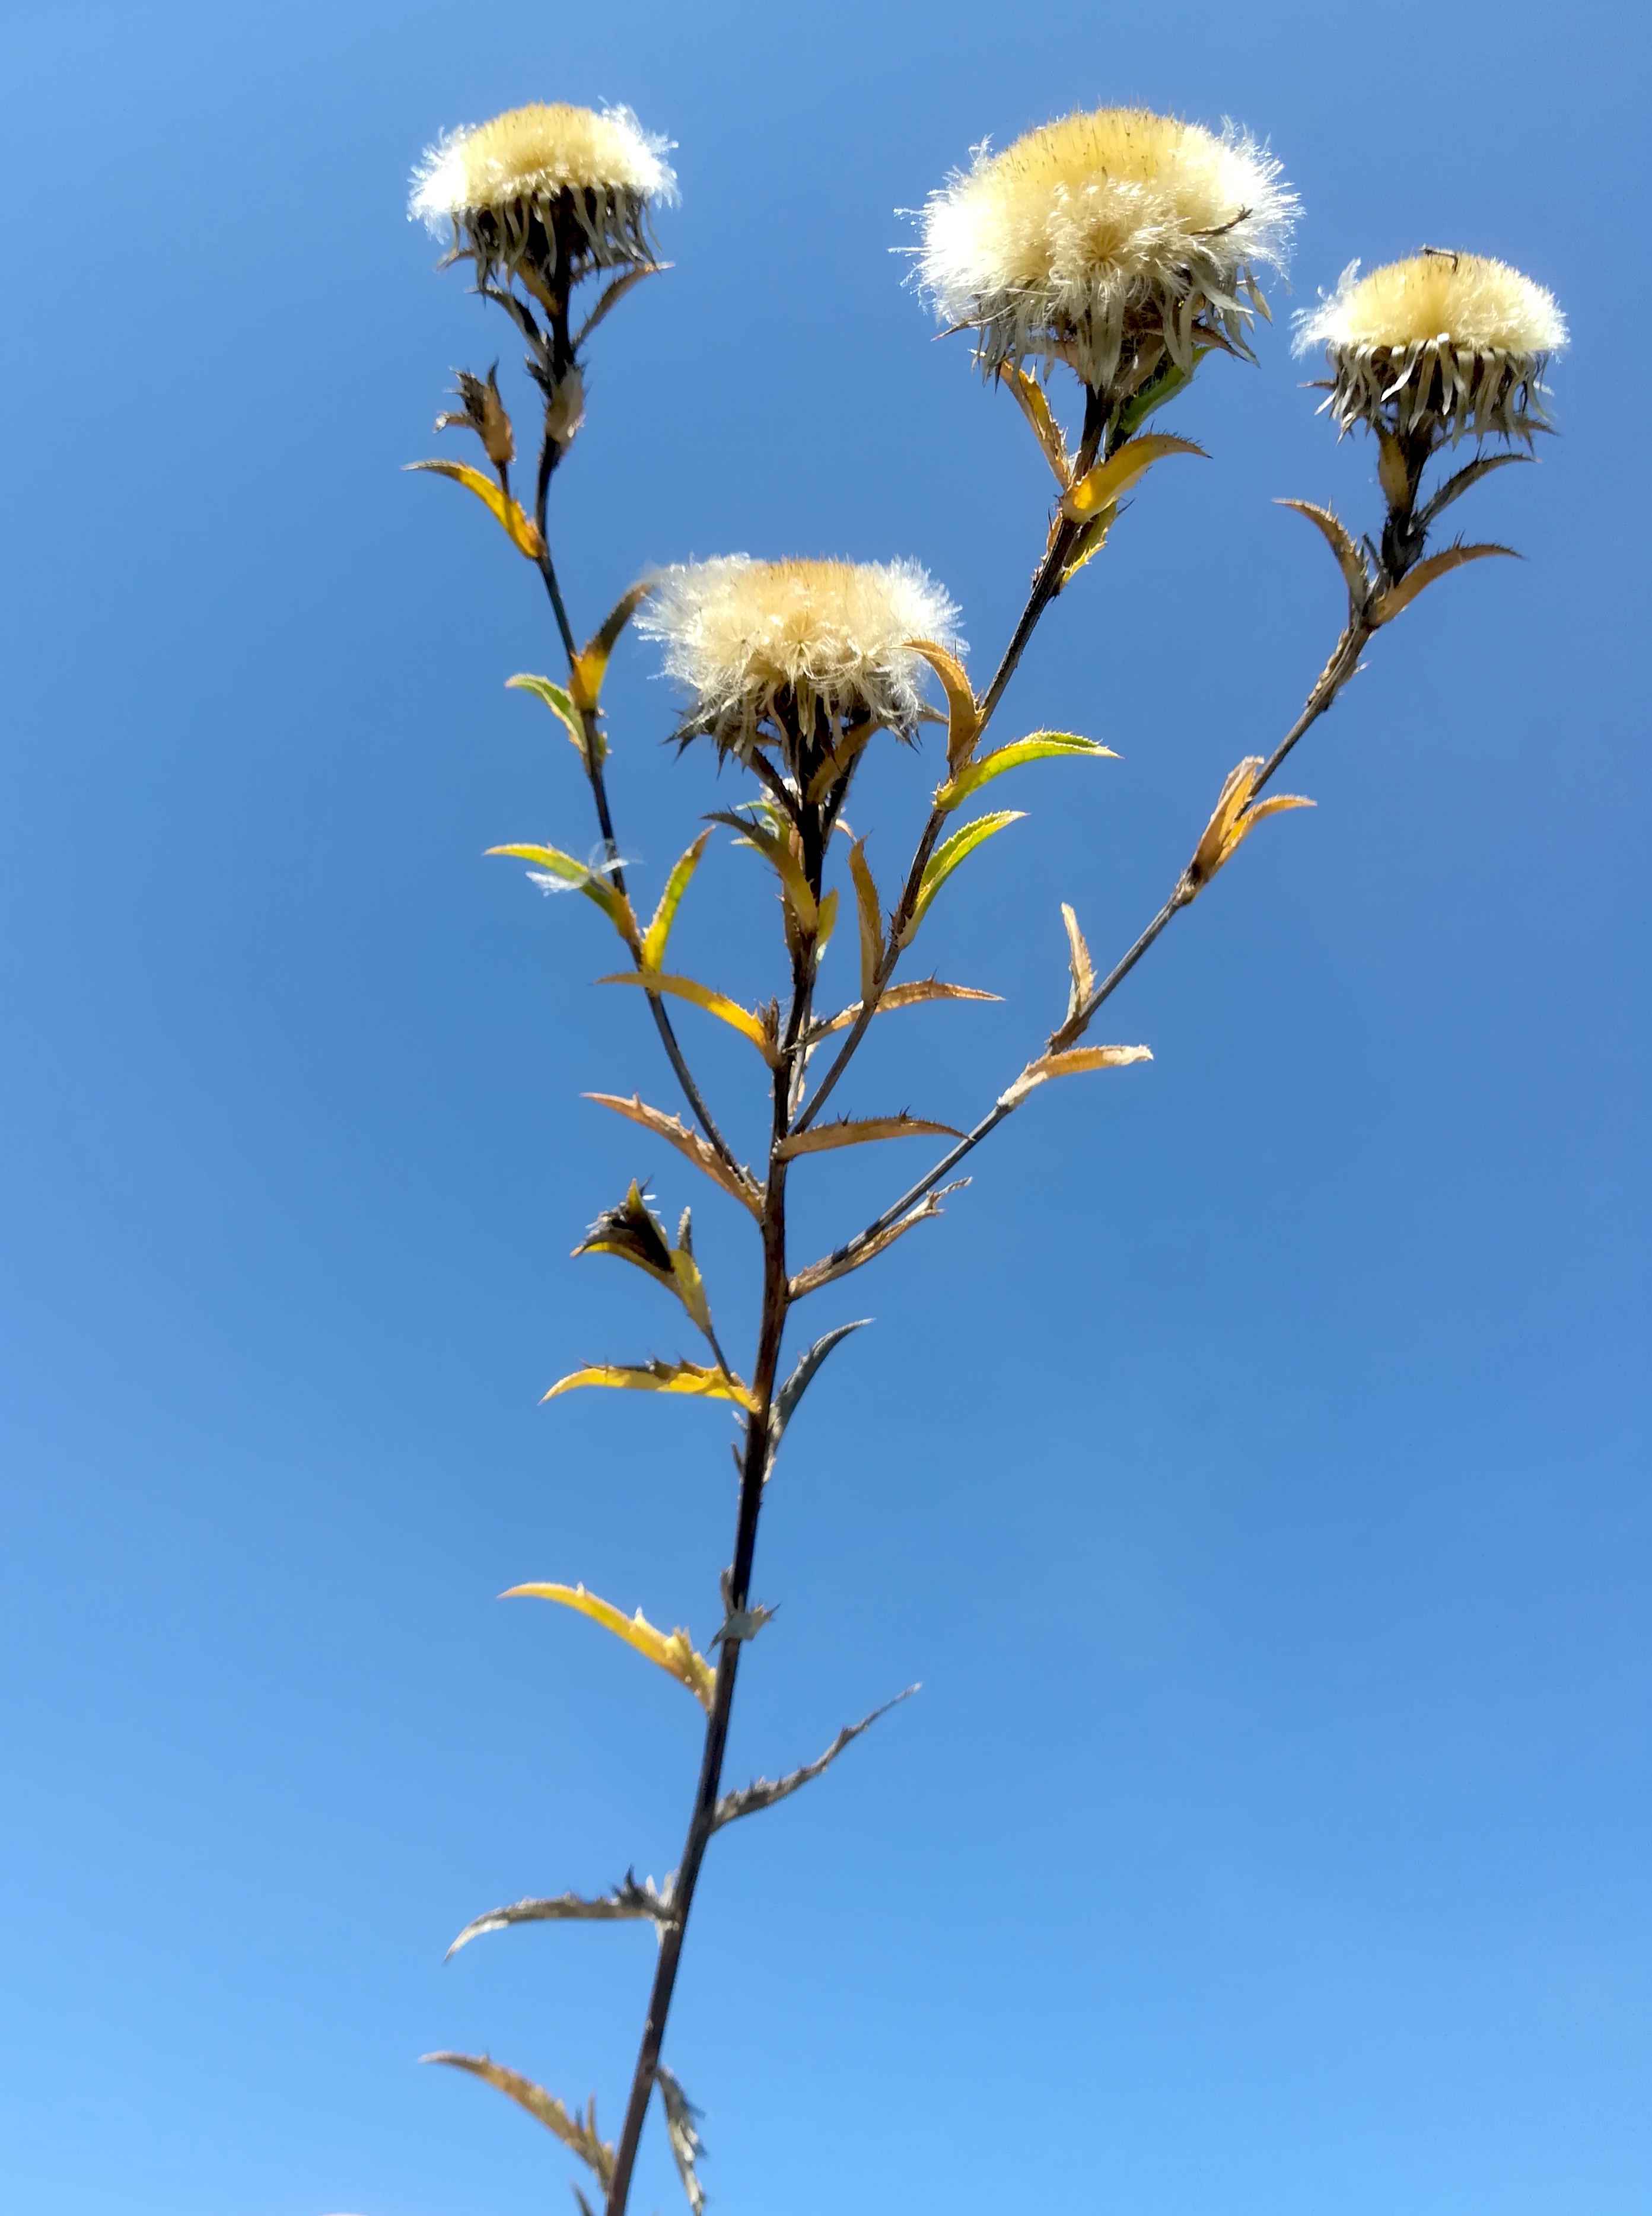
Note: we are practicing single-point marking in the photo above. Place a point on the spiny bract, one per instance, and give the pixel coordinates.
(1095, 235)
(783, 642)
(1456, 340)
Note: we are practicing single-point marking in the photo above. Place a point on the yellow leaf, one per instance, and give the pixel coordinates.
(519, 529)
(854, 1132)
(827, 923)
(715, 1004)
(658, 1377)
(904, 996)
(872, 920)
(1083, 969)
(1088, 545)
(1236, 817)
(1349, 559)
(947, 858)
(1105, 486)
(1041, 746)
(776, 849)
(738, 1185)
(1073, 1063)
(690, 1288)
(1035, 406)
(1399, 597)
(837, 763)
(590, 665)
(612, 902)
(577, 2135)
(673, 1650)
(962, 717)
(676, 884)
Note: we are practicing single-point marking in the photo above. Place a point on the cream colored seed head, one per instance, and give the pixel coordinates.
(1092, 236)
(830, 637)
(1456, 340)
(530, 153)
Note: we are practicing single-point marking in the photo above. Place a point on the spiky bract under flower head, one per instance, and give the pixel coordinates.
(771, 650)
(1453, 341)
(560, 189)
(1105, 238)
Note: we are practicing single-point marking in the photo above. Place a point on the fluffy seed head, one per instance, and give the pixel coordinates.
(1453, 341)
(557, 188)
(1104, 238)
(768, 649)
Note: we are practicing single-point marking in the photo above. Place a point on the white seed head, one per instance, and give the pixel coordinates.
(561, 186)
(1455, 340)
(775, 643)
(1104, 234)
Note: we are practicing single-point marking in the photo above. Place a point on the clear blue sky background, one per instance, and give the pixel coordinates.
(1254, 1464)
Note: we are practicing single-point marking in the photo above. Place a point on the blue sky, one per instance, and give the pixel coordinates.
(1252, 1466)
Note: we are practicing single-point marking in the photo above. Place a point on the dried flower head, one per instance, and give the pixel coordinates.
(1444, 343)
(548, 189)
(1107, 241)
(481, 409)
(768, 650)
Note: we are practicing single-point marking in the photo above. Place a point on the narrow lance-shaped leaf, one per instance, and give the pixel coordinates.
(787, 1400)
(681, 2118)
(744, 1020)
(831, 1267)
(577, 2134)
(1398, 598)
(895, 997)
(672, 1651)
(776, 849)
(1031, 398)
(763, 1794)
(1082, 966)
(1455, 487)
(1074, 1063)
(1349, 559)
(947, 858)
(852, 1131)
(685, 1378)
(1236, 817)
(628, 1902)
(1105, 486)
(590, 665)
(519, 529)
(872, 920)
(659, 930)
(612, 902)
(1041, 746)
(963, 715)
(633, 1233)
(740, 1186)
(559, 701)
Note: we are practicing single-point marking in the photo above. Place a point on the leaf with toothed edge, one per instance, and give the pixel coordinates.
(1031, 398)
(686, 1378)
(670, 1651)
(1349, 559)
(591, 664)
(701, 996)
(947, 856)
(1041, 746)
(903, 996)
(1105, 486)
(963, 715)
(519, 529)
(739, 1185)
(612, 902)
(831, 1267)
(628, 1901)
(787, 1400)
(687, 2147)
(856, 1131)
(1398, 598)
(1082, 966)
(659, 931)
(577, 2134)
(557, 701)
(762, 1792)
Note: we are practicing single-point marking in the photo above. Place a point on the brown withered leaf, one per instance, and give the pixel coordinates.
(1072, 1063)
(739, 1184)
(856, 1131)
(1236, 817)
(681, 2118)
(834, 1266)
(1349, 560)
(577, 2134)
(762, 1792)
(1398, 598)
(904, 996)
(1083, 969)
(481, 410)
(628, 1901)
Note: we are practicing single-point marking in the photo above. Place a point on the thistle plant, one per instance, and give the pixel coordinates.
(1097, 264)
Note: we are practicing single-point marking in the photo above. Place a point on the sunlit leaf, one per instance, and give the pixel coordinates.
(1074, 1064)
(831, 1267)
(1035, 406)
(744, 1020)
(776, 849)
(1083, 969)
(519, 529)
(557, 701)
(904, 996)
(1398, 598)
(612, 902)
(1041, 746)
(1092, 538)
(947, 858)
(659, 930)
(590, 665)
(1167, 381)
(683, 1377)
(849, 1131)
(578, 2135)
(628, 1901)
(739, 1184)
(1236, 817)
(962, 717)
(762, 1792)
(838, 763)
(1105, 486)
(672, 1651)
(870, 919)
(681, 2118)
(1349, 559)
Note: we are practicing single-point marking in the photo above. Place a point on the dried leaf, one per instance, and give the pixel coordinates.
(612, 902)
(962, 717)
(904, 996)
(1083, 969)
(577, 2135)
(947, 858)
(1073, 1063)
(854, 1131)
(786, 1400)
(1349, 559)
(681, 2116)
(659, 930)
(1455, 487)
(559, 702)
(839, 762)
(1105, 486)
(686, 1377)
(612, 296)
(1398, 598)
(1034, 405)
(740, 1623)
(740, 1184)
(629, 1901)
(744, 1020)
(519, 529)
(1236, 817)
(591, 665)
(834, 1266)
(1041, 746)
(872, 920)
(761, 1793)
(673, 1650)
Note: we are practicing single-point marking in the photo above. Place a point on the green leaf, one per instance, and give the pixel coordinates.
(612, 902)
(676, 884)
(559, 702)
(1164, 384)
(947, 856)
(1042, 746)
